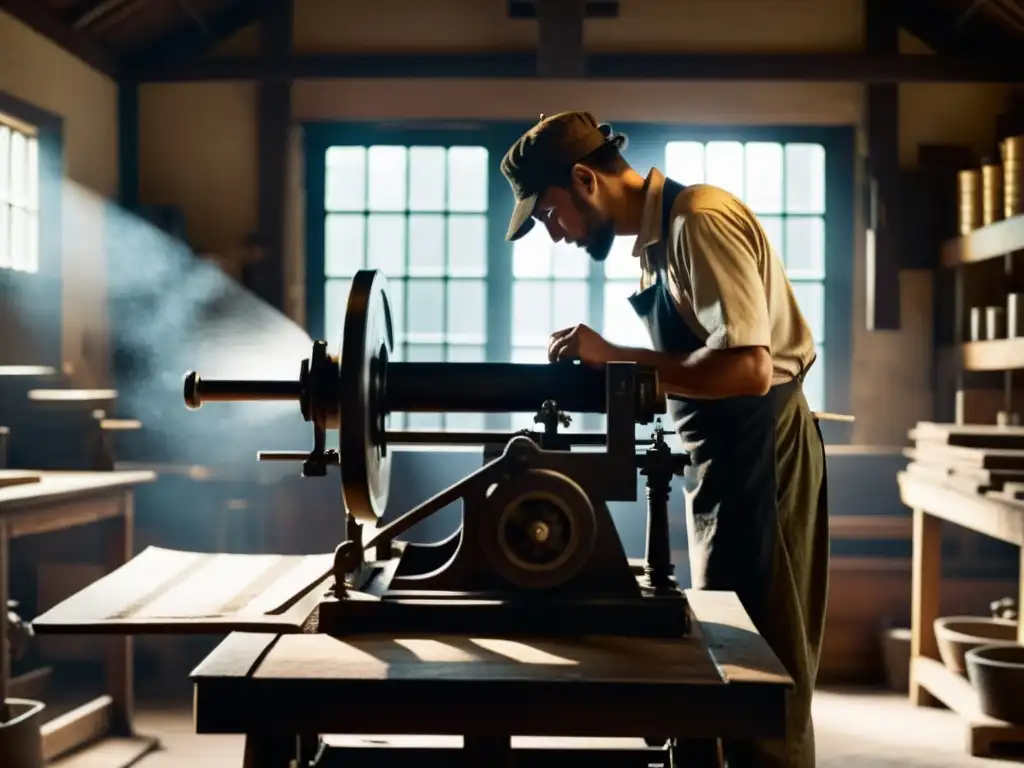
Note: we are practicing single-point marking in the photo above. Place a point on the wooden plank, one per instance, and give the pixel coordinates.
(163, 590)
(979, 458)
(969, 435)
(998, 519)
(737, 648)
(926, 577)
(84, 724)
(956, 692)
(61, 515)
(9, 477)
(67, 486)
(41, 19)
(989, 242)
(997, 355)
(801, 67)
(237, 656)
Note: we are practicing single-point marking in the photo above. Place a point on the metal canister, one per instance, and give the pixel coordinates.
(1014, 316)
(1012, 150)
(968, 195)
(991, 191)
(975, 329)
(995, 323)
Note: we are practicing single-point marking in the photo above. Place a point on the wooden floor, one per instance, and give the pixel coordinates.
(853, 728)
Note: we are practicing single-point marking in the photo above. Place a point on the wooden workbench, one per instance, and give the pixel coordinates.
(283, 689)
(58, 501)
(932, 503)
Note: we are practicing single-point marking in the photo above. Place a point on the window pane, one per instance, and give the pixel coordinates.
(467, 312)
(531, 254)
(772, 226)
(764, 177)
(424, 421)
(531, 313)
(725, 166)
(530, 355)
(621, 262)
(425, 353)
(396, 293)
(466, 353)
(467, 246)
(19, 167)
(805, 178)
(467, 179)
(5, 161)
(570, 304)
(5, 235)
(19, 237)
(386, 244)
(464, 422)
(811, 298)
(814, 383)
(426, 245)
(684, 161)
(426, 178)
(335, 299)
(425, 312)
(621, 324)
(387, 174)
(32, 250)
(344, 244)
(569, 261)
(805, 247)
(345, 181)
(32, 186)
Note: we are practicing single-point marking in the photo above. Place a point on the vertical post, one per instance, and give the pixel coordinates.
(560, 52)
(5, 654)
(658, 470)
(119, 673)
(926, 581)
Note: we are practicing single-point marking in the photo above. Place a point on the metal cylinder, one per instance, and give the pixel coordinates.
(1014, 316)
(995, 323)
(1012, 150)
(968, 195)
(493, 387)
(991, 191)
(976, 320)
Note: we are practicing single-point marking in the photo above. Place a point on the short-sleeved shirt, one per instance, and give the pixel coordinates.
(725, 278)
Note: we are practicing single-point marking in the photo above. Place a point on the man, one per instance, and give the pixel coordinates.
(731, 349)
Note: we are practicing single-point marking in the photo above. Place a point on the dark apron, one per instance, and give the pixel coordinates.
(748, 535)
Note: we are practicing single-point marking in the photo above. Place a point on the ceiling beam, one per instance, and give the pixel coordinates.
(560, 50)
(800, 67)
(593, 9)
(940, 28)
(34, 14)
(193, 41)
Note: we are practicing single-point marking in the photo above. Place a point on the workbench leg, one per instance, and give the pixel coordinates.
(1020, 599)
(926, 582)
(120, 672)
(487, 752)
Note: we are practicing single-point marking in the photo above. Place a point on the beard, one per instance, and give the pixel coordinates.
(599, 230)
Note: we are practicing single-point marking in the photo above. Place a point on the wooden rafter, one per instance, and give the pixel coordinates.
(36, 15)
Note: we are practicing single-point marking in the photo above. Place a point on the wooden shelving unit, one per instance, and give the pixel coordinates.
(991, 242)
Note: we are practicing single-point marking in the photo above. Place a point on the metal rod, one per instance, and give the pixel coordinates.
(493, 387)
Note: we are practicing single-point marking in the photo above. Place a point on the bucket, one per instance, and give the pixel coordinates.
(968, 195)
(21, 740)
(991, 191)
(1013, 175)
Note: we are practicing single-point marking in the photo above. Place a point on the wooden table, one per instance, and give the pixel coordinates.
(284, 690)
(58, 501)
(930, 679)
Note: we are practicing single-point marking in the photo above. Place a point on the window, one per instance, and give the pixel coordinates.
(19, 199)
(784, 184)
(418, 214)
(426, 205)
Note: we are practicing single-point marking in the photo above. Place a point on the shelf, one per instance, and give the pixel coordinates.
(991, 242)
(999, 355)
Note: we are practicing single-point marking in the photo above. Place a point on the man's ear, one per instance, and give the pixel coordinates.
(584, 179)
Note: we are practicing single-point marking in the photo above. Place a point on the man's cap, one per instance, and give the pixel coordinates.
(548, 149)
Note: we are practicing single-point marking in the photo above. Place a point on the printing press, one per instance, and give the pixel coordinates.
(537, 549)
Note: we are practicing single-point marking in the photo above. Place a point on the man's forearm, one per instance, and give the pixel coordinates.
(707, 373)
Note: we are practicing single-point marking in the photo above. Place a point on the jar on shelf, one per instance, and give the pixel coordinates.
(1012, 150)
(991, 191)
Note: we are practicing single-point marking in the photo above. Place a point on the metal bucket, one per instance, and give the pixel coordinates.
(991, 191)
(968, 194)
(1012, 150)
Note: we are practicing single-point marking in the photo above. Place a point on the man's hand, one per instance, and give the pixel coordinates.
(580, 343)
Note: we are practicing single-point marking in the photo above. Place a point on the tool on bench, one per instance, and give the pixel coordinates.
(537, 549)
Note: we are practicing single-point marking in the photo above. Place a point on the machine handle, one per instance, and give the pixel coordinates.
(330, 457)
(199, 391)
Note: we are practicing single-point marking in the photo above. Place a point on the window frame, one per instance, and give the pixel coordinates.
(43, 287)
(647, 143)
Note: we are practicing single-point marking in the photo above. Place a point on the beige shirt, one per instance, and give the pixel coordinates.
(729, 285)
